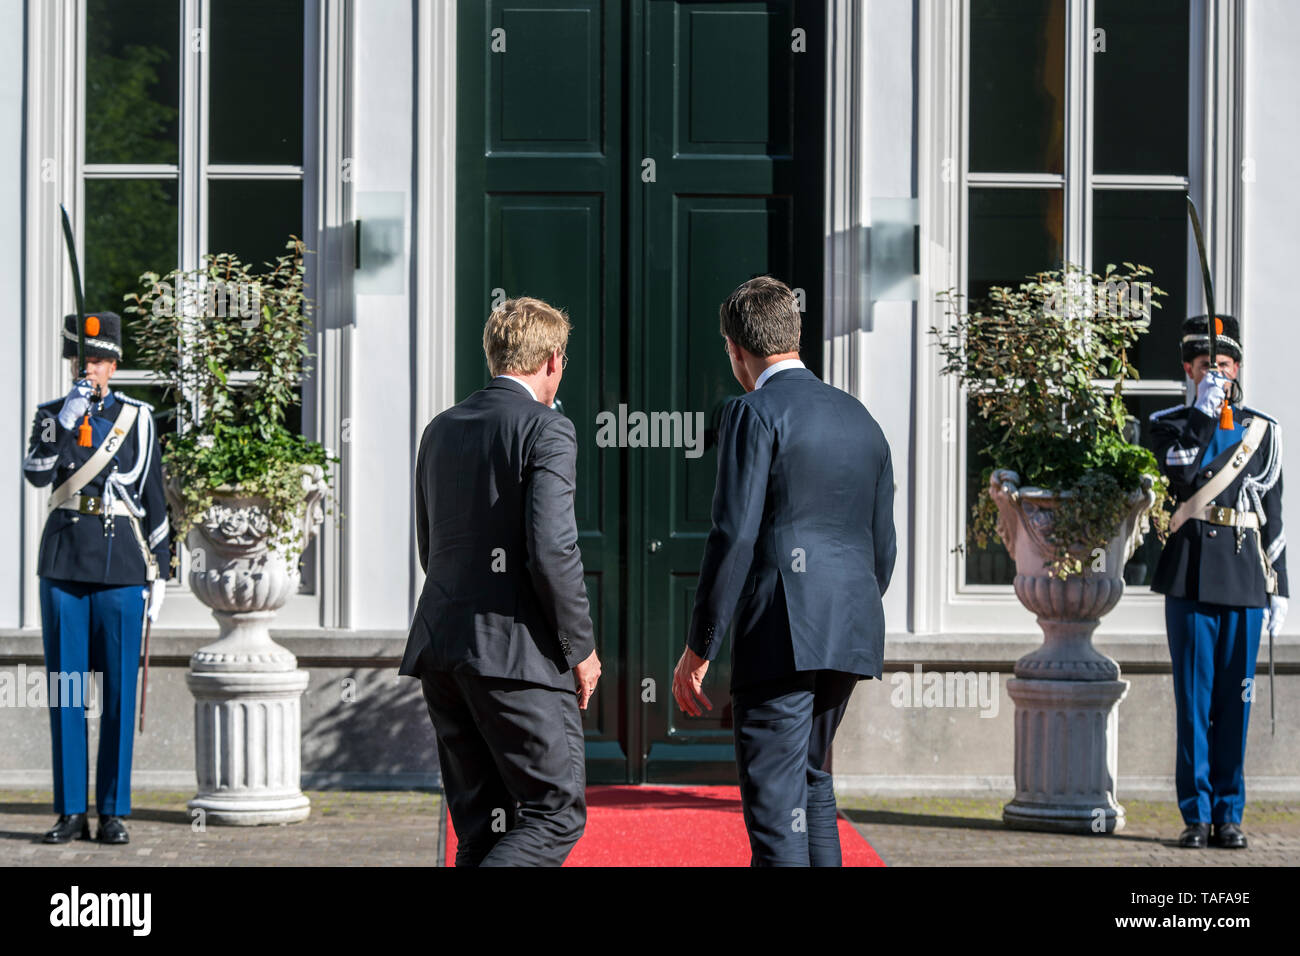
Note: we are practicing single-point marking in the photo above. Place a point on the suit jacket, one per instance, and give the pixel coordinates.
(74, 546)
(503, 590)
(1201, 561)
(802, 545)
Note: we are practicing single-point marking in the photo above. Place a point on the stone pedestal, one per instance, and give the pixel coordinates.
(247, 688)
(1066, 692)
(1066, 755)
(247, 731)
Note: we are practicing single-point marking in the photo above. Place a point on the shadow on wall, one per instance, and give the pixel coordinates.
(369, 724)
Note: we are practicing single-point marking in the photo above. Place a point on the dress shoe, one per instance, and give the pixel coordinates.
(112, 830)
(71, 826)
(1195, 836)
(1228, 836)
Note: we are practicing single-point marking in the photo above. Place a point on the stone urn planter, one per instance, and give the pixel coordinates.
(1066, 692)
(246, 687)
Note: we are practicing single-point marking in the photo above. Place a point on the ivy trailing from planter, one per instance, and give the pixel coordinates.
(229, 345)
(1029, 359)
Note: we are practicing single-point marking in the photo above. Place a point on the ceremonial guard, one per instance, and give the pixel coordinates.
(1223, 574)
(103, 562)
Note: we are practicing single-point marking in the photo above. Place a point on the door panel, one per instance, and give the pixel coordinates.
(732, 119)
(539, 213)
(552, 135)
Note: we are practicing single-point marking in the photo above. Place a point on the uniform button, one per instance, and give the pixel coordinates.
(1209, 473)
(1213, 532)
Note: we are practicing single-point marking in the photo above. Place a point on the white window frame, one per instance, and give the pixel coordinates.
(57, 172)
(943, 602)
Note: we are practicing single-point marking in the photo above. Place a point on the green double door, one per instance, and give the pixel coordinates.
(632, 162)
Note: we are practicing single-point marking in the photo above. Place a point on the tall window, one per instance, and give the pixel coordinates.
(192, 143)
(1036, 200)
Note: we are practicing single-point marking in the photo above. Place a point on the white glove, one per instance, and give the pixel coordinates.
(1276, 613)
(1211, 393)
(76, 404)
(157, 591)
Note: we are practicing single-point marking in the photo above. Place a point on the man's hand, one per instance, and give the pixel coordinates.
(587, 674)
(1212, 392)
(688, 683)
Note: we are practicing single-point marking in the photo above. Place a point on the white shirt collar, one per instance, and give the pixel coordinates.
(515, 378)
(771, 370)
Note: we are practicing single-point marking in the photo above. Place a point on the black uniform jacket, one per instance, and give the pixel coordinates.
(504, 594)
(74, 547)
(1201, 561)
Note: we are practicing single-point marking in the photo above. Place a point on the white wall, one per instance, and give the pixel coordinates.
(13, 425)
(1270, 298)
(379, 512)
(887, 349)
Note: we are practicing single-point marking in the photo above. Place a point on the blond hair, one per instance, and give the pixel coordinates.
(521, 334)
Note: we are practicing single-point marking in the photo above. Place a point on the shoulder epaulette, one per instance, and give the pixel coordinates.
(134, 401)
(1263, 415)
(1165, 411)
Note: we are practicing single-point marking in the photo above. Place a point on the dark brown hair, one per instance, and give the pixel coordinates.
(762, 317)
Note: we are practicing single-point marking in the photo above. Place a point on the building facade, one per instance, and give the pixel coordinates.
(632, 161)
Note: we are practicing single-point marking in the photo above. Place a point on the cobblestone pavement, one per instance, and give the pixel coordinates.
(400, 828)
(346, 828)
(935, 831)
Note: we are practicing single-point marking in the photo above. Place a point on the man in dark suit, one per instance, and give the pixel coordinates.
(502, 630)
(803, 538)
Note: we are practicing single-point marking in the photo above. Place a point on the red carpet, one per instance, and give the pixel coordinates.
(672, 826)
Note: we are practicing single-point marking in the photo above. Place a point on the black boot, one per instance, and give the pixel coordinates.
(1228, 836)
(71, 826)
(112, 830)
(1194, 836)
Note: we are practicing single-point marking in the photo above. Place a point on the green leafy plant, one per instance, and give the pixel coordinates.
(1030, 359)
(230, 345)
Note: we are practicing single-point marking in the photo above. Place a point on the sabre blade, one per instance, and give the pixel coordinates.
(70, 241)
(1212, 315)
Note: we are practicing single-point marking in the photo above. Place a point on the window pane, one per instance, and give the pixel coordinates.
(1013, 233)
(1017, 86)
(130, 228)
(1150, 228)
(253, 218)
(132, 80)
(991, 564)
(256, 72)
(1143, 72)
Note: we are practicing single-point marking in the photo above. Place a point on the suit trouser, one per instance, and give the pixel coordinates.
(513, 767)
(1213, 648)
(784, 729)
(92, 628)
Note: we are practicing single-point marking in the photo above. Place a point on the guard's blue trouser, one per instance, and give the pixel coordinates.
(92, 628)
(1213, 648)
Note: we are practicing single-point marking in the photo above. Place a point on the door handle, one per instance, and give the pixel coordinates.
(654, 546)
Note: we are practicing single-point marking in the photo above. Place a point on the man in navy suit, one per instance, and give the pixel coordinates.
(801, 550)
